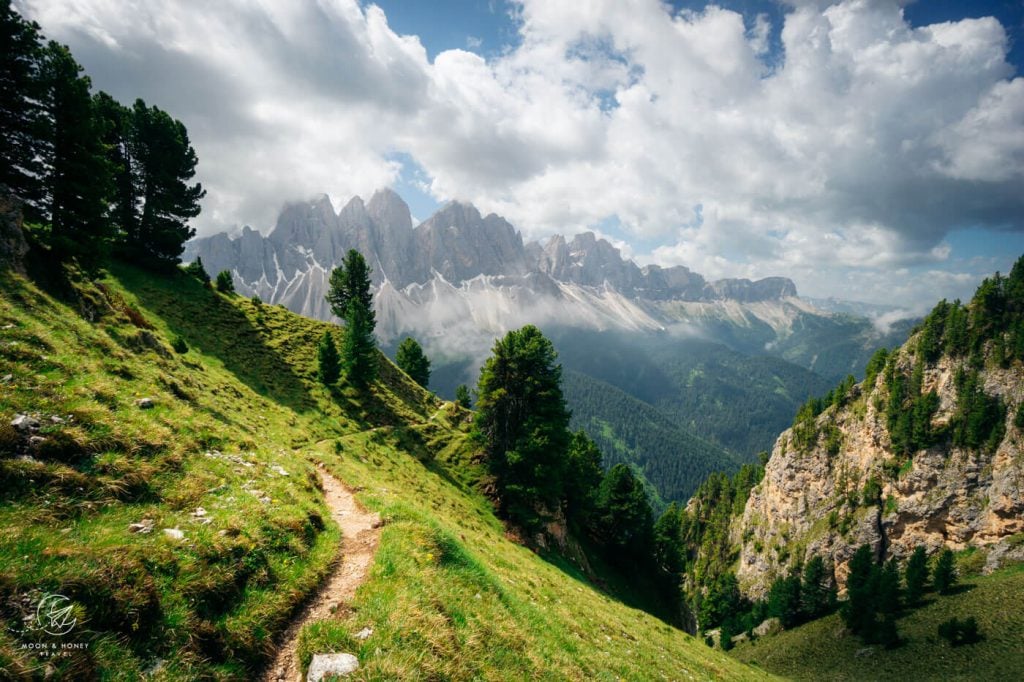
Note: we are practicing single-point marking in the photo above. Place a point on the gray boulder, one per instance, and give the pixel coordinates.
(323, 665)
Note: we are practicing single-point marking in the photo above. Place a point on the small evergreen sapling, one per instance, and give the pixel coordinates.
(328, 361)
(945, 572)
(225, 283)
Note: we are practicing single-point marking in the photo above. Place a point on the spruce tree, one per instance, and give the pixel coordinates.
(916, 575)
(116, 123)
(328, 363)
(77, 174)
(861, 585)
(351, 299)
(784, 600)
(944, 575)
(350, 281)
(462, 396)
(582, 478)
(624, 515)
(668, 544)
(889, 596)
(523, 423)
(21, 116)
(359, 350)
(166, 163)
(225, 283)
(816, 596)
(411, 360)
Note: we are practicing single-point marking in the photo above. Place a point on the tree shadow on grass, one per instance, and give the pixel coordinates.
(214, 326)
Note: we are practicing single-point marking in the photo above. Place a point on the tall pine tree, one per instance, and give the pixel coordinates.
(351, 299)
(523, 423)
(21, 116)
(77, 174)
(166, 163)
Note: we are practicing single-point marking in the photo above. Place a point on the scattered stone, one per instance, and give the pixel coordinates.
(174, 533)
(6, 378)
(7, 326)
(866, 651)
(145, 403)
(28, 458)
(279, 470)
(56, 420)
(35, 441)
(157, 666)
(144, 526)
(23, 422)
(364, 633)
(199, 512)
(323, 665)
(740, 638)
(770, 626)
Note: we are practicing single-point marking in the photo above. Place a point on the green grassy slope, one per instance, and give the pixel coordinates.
(819, 650)
(238, 423)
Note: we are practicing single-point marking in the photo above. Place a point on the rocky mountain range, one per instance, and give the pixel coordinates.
(461, 277)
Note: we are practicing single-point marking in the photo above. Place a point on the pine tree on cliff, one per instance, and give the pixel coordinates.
(523, 423)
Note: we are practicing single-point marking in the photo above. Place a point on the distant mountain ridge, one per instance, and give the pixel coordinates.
(459, 254)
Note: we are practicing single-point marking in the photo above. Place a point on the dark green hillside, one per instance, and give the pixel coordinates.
(838, 345)
(630, 431)
(815, 652)
(738, 402)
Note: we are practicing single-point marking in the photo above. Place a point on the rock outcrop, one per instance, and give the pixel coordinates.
(818, 500)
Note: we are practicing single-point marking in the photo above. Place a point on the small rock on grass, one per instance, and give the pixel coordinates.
(331, 664)
(145, 403)
(174, 533)
(24, 422)
(144, 526)
(364, 633)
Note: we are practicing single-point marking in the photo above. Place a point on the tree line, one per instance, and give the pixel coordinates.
(97, 178)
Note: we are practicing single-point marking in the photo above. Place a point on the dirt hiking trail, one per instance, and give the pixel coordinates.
(360, 531)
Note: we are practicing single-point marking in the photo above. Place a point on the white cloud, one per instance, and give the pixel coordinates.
(854, 153)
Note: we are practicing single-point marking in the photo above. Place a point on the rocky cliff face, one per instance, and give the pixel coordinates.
(13, 246)
(850, 487)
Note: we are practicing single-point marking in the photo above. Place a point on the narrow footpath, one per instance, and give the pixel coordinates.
(360, 531)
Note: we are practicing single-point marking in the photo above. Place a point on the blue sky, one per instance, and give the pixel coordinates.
(861, 147)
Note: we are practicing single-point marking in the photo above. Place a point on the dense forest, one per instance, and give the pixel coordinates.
(95, 177)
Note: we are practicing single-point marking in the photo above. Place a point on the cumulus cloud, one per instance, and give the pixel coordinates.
(854, 152)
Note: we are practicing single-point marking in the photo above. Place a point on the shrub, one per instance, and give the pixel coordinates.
(179, 345)
(256, 300)
(958, 632)
(224, 282)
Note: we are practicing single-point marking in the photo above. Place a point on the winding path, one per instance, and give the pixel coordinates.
(360, 531)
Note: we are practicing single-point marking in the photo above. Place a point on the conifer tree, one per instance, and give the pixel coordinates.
(21, 116)
(411, 360)
(351, 299)
(582, 478)
(944, 575)
(625, 516)
(861, 585)
(916, 575)
(328, 363)
(166, 163)
(76, 173)
(668, 543)
(116, 124)
(462, 396)
(816, 595)
(889, 597)
(523, 423)
(225, 282)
